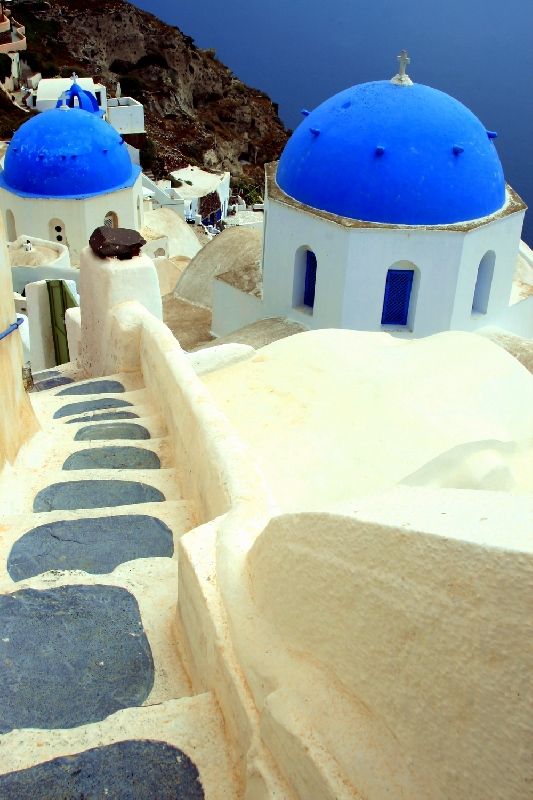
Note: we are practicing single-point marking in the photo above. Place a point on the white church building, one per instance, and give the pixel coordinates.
(388, 211)
(66, 172)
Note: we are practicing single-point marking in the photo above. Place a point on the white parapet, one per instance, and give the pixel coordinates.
(42, 354)
(126, 114)
(105, 283)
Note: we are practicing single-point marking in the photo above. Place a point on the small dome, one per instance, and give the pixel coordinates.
(86, 100)
(67, 153)
(382, 152)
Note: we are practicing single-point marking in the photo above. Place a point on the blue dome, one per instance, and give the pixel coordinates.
(86, 100)
(67, 153)
(382, 152)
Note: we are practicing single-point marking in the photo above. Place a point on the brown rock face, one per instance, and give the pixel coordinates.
(196, 110)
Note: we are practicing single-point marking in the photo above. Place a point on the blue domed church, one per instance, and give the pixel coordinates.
(66, 172)
(388, 211)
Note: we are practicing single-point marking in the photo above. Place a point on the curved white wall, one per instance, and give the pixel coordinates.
(419, 606)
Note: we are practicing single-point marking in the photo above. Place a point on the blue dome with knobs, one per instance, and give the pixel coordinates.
(396, 154)
(67, 153)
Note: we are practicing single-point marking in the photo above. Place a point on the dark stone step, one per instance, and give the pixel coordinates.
(132, 770)
(93, 387)
(43, 374)
(51, 383)
(90, 405)
(113, 457)
(70, 656)
(119, 430)
(72, 495)
(103, 416)
(96, 545)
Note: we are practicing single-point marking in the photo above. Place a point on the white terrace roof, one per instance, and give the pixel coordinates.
(203, 182)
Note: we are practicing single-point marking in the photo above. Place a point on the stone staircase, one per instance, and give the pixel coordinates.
(95, 701)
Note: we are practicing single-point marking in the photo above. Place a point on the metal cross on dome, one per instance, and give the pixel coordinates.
(404, 60)
(402, 77)
(74, 77)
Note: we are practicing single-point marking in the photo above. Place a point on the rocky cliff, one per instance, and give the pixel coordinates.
(196, 109)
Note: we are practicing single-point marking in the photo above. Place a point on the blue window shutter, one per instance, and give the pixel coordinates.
(397, 296)
(310, 279)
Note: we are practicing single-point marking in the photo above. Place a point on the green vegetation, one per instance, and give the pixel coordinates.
(250, 191)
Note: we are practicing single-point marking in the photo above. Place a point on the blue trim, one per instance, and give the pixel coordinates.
(398, 288)
(12, 328)
(310, 279)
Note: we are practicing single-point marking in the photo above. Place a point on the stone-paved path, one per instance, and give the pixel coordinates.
(94, 701)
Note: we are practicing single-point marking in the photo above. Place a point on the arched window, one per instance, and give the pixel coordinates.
(56, 231)
(485, 274)
(11, 229)
(397, 296)
(111, 220)
(159, 253)
(304, 284)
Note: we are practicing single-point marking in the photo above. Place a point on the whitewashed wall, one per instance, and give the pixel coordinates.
(233, 309)
(502, 236)
(287, 230)
(80, 217)
(126, 116)
(352, 266)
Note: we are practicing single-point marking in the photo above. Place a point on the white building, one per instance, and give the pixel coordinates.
(126, 115)
(66, 172)
(388, 211)
(49, 90)
(205, 194)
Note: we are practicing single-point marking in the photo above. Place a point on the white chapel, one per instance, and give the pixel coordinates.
(66, 172)
(387, 211)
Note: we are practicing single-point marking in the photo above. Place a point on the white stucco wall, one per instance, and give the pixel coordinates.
(436, 256)
(58, 257)
(403, 621)
(233, 309)
(49, 90)
(42, 353)
(79, 217)
(73, 326)
(502, 237)
(286, 231)
(105, 283)
(17, 419)
(126, 115)
(352, 266)
(350, 283)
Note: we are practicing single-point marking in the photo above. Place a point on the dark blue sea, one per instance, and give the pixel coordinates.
(303, 51)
